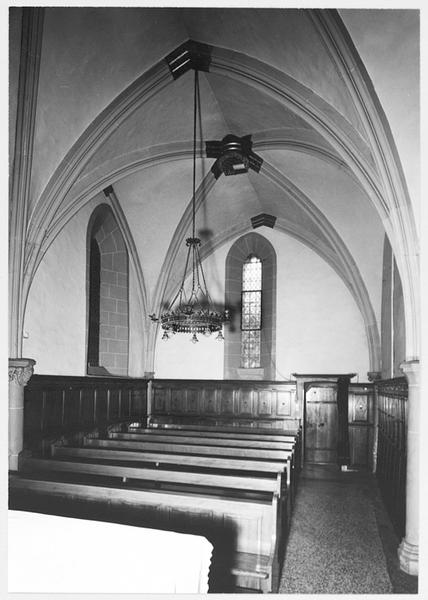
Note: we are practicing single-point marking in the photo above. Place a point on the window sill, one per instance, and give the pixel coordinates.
(258, 373)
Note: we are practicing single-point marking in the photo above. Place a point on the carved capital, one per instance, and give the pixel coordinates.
(21, 370)
(374, 375)
(410, 369)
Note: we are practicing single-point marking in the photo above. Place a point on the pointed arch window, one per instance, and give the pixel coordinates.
(251, 312)
(94, 304)
(107, 296)
(250, 292)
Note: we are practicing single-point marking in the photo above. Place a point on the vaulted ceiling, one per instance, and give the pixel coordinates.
(109, 113)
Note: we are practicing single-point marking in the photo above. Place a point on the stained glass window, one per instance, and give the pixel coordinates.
(251, 312)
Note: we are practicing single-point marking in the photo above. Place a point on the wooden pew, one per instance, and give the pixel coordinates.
(234, 432)
(211, 480)
(188, 461)
(185, 448)
(261, 433)
(285, 457)
(211, 432)
(189, 438)
(214, 462)
(229, 421)
(225, 428)
(196, 441)
(253, 526)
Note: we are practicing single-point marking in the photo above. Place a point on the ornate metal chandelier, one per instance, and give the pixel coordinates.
(193, 312)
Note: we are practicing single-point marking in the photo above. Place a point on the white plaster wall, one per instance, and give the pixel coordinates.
(178, 357)
(137, 318)
(55, 317)
(319, 328)
(388, 42)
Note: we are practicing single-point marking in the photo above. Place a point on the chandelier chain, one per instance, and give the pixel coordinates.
(193, 313)
(195, 110)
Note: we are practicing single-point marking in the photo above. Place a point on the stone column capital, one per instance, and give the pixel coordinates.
(20, 370)
(374, 375)
(411, 369)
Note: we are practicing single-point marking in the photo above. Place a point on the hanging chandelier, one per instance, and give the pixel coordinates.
(193, 312)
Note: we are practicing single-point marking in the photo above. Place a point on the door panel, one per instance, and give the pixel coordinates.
(321, 424)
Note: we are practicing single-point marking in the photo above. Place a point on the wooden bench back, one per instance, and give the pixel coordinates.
(214, 433)
(246, 482)
(292, 429)
(245, 453)
(199, 440)
(164, 458)
(251, 523)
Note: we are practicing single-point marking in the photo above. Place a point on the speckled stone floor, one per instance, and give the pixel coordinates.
(341, 540)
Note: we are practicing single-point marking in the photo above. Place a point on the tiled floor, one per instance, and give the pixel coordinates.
(341, 539)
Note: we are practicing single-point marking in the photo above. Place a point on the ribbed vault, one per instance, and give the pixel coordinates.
(318, 129)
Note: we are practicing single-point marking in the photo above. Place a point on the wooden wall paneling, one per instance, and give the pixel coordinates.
(227, 405)
(87, 408)
(53, 410)
(361, 417)
(72, 408)
(80, 391)
(391, 455)
(194, 400)
(130, 402)
(160, 400)
(177, 400)
(126, 403)
(138, 402)
(219, 402)
(114, 404)
(108, 404)
(359, 445)
(43, 413)
(209, 402)
(94, 405)
(245, 402)
(266, 424)
(33, 414)
(55, 406)
(358, 408)
(264, 403)
(63, 393)
(283, 403)
(119, 403)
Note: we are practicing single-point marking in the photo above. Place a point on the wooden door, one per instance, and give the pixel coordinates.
(320, 423)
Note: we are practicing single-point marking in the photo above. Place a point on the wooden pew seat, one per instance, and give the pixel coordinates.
(251, 526)
(237, 465)
(189, 438)
(284, 457)
(210, 432)
(213, 431)
(152, 475)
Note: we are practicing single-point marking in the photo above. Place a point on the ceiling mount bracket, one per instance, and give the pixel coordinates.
(234, 155)
(190, 55)
(263, 219)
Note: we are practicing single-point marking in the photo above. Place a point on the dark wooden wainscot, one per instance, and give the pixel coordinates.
(392, 398)
(267, 404)
(56, 406)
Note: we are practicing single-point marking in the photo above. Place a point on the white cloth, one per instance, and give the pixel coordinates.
(64, 555)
